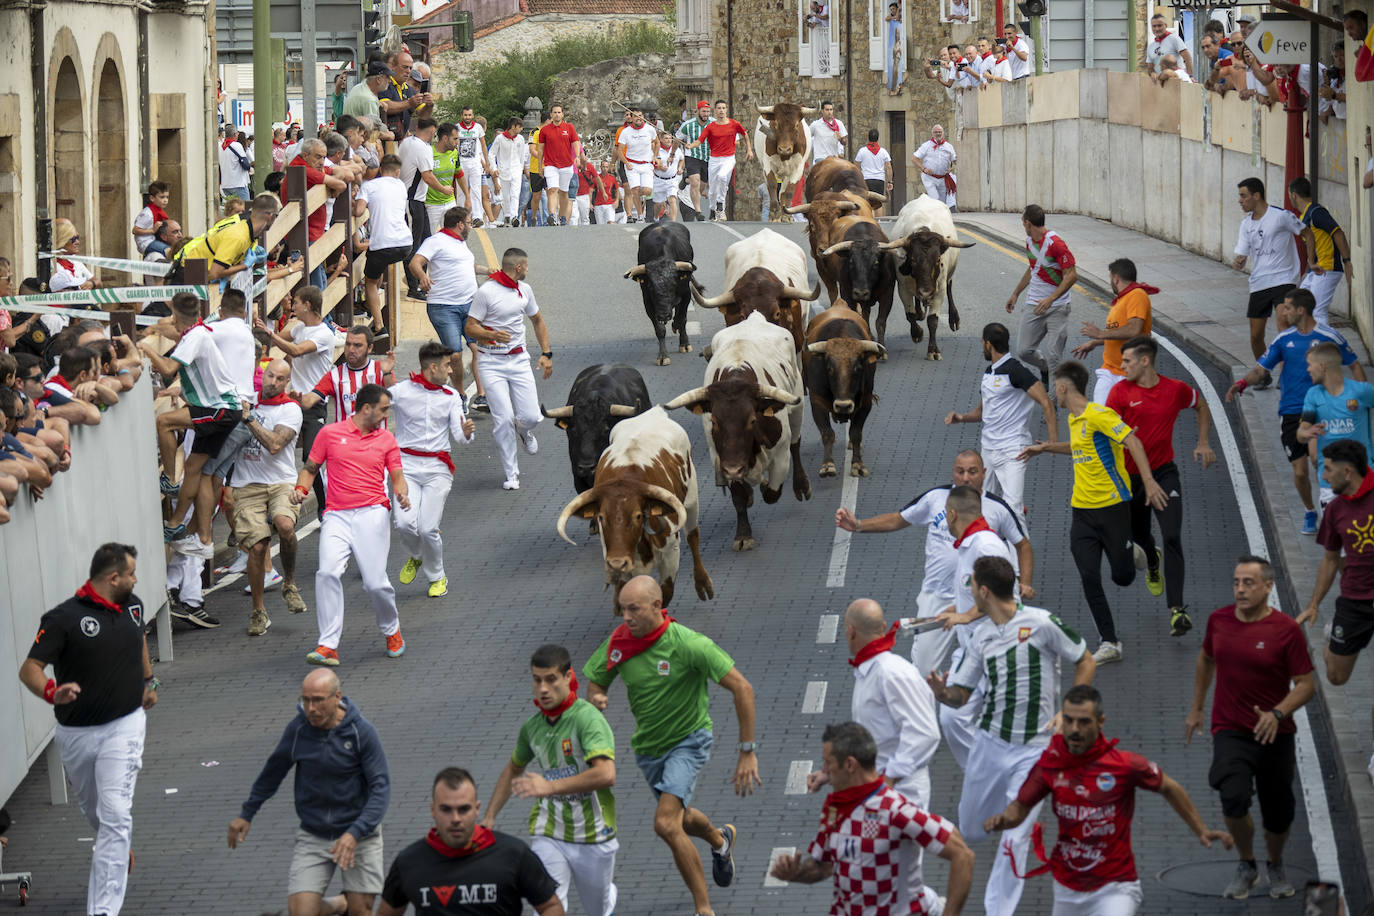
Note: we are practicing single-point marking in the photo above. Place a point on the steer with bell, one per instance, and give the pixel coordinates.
(840, 360)
(664, 274)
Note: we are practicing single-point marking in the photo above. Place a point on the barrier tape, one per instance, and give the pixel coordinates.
(114, 296)
(153, 268)
(92, 314)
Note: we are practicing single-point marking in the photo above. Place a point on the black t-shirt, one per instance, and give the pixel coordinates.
(489, 882)
(99, 649)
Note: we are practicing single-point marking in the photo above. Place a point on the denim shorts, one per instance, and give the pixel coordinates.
(448, 321)
(676, 772)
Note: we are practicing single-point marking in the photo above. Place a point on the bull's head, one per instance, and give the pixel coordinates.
(846, 361)
(757, 290)
(923, 259)
(661, 282)
(742, 411)
(782, 125)
(865, 260)
(589, 432)
(625, 511)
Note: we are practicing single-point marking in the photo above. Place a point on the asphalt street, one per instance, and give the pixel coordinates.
(462, 688)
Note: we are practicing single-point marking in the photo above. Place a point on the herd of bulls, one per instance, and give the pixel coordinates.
(632, 464)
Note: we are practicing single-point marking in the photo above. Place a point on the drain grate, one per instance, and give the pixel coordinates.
(1209, 879)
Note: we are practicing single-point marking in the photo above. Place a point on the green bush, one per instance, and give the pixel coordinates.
(498, 89)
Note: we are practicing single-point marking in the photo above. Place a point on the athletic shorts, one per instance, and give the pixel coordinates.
(876, 185)
(379, 259)
(1352, 627)
(558, 179)
(697, 167)
(312, 868)
(664, 188)
(537, 183)
(676, 772)
(1242, 768)
(256, 505)
(639, 175)
(1288, 435)
(1262, 301)
(212, 426)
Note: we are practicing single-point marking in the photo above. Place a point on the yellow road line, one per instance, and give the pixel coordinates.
(1021, 258)
(488, 252)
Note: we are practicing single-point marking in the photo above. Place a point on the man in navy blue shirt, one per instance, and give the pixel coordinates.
(1290, 348)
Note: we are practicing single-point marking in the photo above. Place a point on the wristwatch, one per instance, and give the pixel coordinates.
(1279, 714)
(151, 683)
(747, 747)
(548, 353)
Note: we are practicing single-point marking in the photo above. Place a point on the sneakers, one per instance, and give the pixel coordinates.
(292, 596)
(193, 546)
(1247, 876)
(270, 581)
(1179, 621)
(479, 402)
(531, 443)
(1107, 653)
(178, 611)
(1279, 885)
(238, 565)
(259, 622)
(723, 862)
(199, 618)
(166, 487)
(1138, 556)
(511, 483)
(1309, 522)
(439, 589)
(408, 571)
(395, 645)
(323, 655)
(173, 534)
(1154, 578)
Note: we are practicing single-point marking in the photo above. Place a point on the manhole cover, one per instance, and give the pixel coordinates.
(1209, 879)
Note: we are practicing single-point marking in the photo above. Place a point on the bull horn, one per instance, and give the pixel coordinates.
(558, 413)
(578, 502)
(662, 494)
(875, 198)
(817, 347)
(955, 243)
(767, 131)
(837, 248)
(686, 266)
(686, 398)
(895, 243)
(636, 271)
(777, 394)
(715, 302)
(809, 112)
(622, 410)
(765, 109)
(800, 208)
(871, 346)
(846, 206)
(791, 292)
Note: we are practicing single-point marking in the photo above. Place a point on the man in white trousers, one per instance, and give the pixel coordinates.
(356, 454)
(1023, 648)
(895, 704)
(935, 158)
(103, 682)
(721, 137)
(426, 414)
(510, 157)
(638, 148)
(497, 322)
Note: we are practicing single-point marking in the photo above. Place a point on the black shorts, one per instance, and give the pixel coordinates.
(1242, 767)
(537, 183)
(1262, 301)
(876, 185)
(696, 167)
(212, 426)
(379, 259)
(1352, 627)
(1288, 435)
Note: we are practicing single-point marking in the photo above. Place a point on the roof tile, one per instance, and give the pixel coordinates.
(593, 7)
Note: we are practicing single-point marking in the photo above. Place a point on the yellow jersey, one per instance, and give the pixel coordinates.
(226, 243)
(1099, 460)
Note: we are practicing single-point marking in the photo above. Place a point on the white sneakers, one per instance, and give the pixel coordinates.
(1107, 653)
(531, 443)
(511, 483)
(270, 580)
(193, 546)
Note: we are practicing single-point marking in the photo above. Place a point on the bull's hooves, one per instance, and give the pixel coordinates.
(803, 492)
(917, 335)
(742, 544)
(858, 470)
(770, 496)
(663, 361)
(882, 357)
(706, 590)
(685, 349)
(827, 469)
(953, 324)
(934, 354)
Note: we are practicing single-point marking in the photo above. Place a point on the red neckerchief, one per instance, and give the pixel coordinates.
(831, 123)
(1160, 39)
(481, 839)
(553, 714)
(500, 276)
(1366, 485)
(624, 645)
(159, 214)
(228, 141)
(873, 148)
(1149, 290)
(198, 324)
(978, 524)
(1002, 59)
(838, 805)
(466, 125)
(90, 594)
(877, 647)
(985, 56)
(66, 265)
(275, 400)
(426, 384)
(453, 235)
(59, 380)
(937, 143)
(511, 136)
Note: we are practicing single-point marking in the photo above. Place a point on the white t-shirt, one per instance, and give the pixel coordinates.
(234, 340)
(1002, 69)
(308, 368)
(1019, 67)
(872, 164)
(1269, 245)
(1156, 48)
(825, 140)
(984, 63)
(665, 166)
(639, 143)
(255, 464)
(452, 268)
(144, 220)
(939, 159)
(973, 547)
(470, 149)
(232, 174)
(500, 308)
(205, 380)
(416, 156)
(386, 202)
(928, 510)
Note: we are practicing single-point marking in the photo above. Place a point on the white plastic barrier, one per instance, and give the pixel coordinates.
(109, 494)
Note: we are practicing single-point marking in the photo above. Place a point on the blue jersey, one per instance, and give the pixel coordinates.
(1346, 414)
(1290, 348)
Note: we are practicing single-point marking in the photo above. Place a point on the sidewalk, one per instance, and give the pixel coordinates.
(1203, 303)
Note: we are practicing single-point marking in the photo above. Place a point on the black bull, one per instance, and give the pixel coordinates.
(664, 274)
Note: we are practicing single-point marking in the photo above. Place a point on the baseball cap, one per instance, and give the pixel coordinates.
(703, 104)
(377, 68)
(1247, 17)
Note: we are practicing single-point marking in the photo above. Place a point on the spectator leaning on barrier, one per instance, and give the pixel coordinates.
(1161, 43)
(1019, 51)
(312, 156)
(67, 274)
(1221, 58)
(228, 241)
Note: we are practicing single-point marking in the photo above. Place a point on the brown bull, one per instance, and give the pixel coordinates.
(822, 213)
(783, 145)
(759, 290)
(839, 363)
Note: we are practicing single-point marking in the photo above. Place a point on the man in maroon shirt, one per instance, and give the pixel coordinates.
(1150, 404)
(1259, 657)
(1094, 785)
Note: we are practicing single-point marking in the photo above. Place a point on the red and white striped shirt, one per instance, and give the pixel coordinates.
(342, 383)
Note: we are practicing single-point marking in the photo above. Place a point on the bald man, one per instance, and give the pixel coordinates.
(342, 791)
(893, 701)
(935, 158)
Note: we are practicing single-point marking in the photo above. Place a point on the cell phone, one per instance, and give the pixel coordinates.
(122, 323)
(294, 256)
(1321, 899)
(424, 85)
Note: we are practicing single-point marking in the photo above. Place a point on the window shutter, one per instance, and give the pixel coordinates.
(803, 40)
(877, 31)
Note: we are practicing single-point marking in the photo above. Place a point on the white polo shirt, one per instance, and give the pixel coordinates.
(928, 510)
(499, 308)
(1006, 405)
(1019, 67)
(452, 269)
(939, 159)
(1269, 245)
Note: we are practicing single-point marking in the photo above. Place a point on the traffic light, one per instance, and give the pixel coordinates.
(1032, 8)
(462, 30)
(372, 27)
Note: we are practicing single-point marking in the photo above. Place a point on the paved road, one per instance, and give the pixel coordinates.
(460, 691)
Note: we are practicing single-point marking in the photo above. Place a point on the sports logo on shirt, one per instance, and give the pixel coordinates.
(1106, 782)
(567, 747)
(615, 656)
(1352, 404)
(871, 825)
(1023, 634)
(90, 626)
(663, 669)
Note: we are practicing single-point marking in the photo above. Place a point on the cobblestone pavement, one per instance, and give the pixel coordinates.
(460, 691)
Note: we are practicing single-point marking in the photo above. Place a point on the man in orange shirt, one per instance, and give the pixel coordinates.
(1129, 316)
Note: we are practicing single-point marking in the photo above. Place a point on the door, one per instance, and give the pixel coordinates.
(896, 147)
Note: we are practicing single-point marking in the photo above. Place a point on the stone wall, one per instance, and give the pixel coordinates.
(529, 34)
(586, 93)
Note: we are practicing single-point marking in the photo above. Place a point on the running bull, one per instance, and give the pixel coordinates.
(840, 360)
(926, 243)
(784, 145)
(664, 275)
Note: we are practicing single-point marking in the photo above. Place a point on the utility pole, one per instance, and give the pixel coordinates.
(262, 90)
(309, 91)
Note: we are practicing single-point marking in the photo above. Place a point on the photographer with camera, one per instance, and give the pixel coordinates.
(943, 68)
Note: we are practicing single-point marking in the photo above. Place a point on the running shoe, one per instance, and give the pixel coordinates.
(199, 618)
(178, 611)
(511, 483)
(479, 402)
(269, 581)
(166, 487)
(531, 443)
(239, 564)
(1138, 556)
(408, 571)
(1247, 876)
(1107, 653)
(1154, 578)
(323, 655)
(1179, 621)
(1279, 885)
(395, 645)
(259, 622)
(723, 862)
(193, 546)
(439, 589)
(1309, 522)
(292, 596)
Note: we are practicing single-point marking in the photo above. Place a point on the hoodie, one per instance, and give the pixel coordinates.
(342, 781)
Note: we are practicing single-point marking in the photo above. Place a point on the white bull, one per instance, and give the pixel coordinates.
(927, 247)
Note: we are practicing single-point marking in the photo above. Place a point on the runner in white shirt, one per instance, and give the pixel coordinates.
(668, 167)
(876, 165)
(1267, 242)
(472, 156)
(497, 323)
(510, 158)
(1019, 50)
(638, 148)
(827, 134)
(935, 158)
(446, 269)
(384, 199)
(425, 415)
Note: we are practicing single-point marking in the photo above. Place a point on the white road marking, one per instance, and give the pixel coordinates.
(727, 228)
(839, 550)
(694, 327)
(301, 532)
(797, 772)
(778, 851)
(827, 628)
(814, 700)
(1309, 766)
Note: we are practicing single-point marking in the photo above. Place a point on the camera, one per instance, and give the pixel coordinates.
(933, 62)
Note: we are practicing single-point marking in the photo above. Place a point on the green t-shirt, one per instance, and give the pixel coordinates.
(446, 172)
(666, 684)
(565, 749)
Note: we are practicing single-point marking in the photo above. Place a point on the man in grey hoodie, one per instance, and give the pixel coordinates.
(342, 790)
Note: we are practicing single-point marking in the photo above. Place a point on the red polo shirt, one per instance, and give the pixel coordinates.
(357, 463)
(319, 220)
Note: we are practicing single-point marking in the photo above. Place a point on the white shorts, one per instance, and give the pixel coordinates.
(1323, 287)
(587, 867)
(639, 175)
(558, 179)
(664, 188)
(1120, 898)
